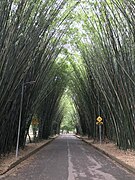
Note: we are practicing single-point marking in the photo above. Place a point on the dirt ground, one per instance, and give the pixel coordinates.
(127, 157)
(8, 160)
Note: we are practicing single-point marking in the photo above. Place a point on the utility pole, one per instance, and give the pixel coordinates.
(20, 114)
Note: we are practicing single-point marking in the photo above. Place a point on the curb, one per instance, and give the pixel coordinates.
(12, 165)
(123, 164)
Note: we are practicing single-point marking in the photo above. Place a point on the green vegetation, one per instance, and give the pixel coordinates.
(104, 83)
(70, 62)
(30, 41)
(69, 119)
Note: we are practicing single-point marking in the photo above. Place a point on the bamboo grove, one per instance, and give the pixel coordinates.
(36, 68)
(30, 34)
(104, 83)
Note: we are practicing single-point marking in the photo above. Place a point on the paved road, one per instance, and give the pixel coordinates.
(68, 158)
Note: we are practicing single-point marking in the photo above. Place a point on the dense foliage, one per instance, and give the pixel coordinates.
(69, 120)
(104, 83)
(49, 46)
(30, 34)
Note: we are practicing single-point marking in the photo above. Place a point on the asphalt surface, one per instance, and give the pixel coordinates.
(68, 158)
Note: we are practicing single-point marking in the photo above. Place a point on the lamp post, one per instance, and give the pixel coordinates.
(20, 114)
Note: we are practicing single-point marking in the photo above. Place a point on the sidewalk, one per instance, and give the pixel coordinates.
(124, 158)
(10, 161)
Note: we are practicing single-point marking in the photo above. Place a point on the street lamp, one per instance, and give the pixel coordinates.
(20, 114)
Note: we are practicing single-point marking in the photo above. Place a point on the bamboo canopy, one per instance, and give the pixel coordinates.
(30, 33)
(98, 68)
(106, 83)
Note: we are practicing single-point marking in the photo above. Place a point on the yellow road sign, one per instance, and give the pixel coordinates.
(35, 121)
(99, 119)
(99, 123)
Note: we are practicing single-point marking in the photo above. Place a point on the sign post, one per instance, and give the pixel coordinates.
(99, 122)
